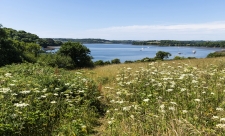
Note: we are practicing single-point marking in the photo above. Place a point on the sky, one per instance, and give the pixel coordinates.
(117, 19)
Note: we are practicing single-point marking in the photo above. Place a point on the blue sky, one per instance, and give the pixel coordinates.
(117, 19)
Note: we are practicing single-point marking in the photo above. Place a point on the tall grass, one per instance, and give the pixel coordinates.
(36, 100)
(164, 98)
(182, 97)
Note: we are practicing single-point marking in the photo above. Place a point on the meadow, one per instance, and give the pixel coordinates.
(174, 97)
(183, 97)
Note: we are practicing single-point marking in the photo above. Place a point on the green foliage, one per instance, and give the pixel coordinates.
(216, 54)
(107, 62)
(167, 99)
(13, 51)
(178, 58)
(79, 53)
(181, 43)
(90, 40)
(56, 60)
(99, 63)
(45, 42)
(128, 61)
(115, 61)
(21, 36)
(146, 59)
(161, 55)
(8, 53)
(37, 100)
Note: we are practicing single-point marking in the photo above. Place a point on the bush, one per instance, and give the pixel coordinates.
(79, 54)
(128, 61)
(99, 63)
(216, 54)
(37, 100)
(115, 61)
(56, 60)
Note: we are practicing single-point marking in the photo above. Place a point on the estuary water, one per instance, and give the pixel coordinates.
(108, 52)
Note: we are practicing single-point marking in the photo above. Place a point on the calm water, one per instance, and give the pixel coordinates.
(108, 52)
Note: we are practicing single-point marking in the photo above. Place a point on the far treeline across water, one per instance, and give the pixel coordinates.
(201, 43)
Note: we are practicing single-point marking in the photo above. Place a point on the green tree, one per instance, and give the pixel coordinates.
(161, 55)
(115, 61)
(99, 63)
(79, 53)
(8, 52)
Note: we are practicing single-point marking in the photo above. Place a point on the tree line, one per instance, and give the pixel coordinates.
(220, 44)
(27, 37)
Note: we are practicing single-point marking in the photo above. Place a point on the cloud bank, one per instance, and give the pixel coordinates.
(204, 31)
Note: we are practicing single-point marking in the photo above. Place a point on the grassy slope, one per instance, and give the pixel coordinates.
(106, 76)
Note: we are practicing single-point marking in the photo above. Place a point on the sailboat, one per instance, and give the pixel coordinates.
(194, 51)
(142, 48)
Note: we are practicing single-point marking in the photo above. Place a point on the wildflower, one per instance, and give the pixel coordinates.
(162, 106)
(169, 90)
(126, 108)
(81, 91)
(110, 122)
(11, 84)
(215, 117)
(21, 104)
(118, 93)
(220, 125)
(52, 102)
(5, 90)
(194, 81)
(25, 92)
(14, 94)
(43, 96)
(55, 94)
(183, 89)
(174, 103)
(129, 68)
(37, 91)
(146, 100)
(172, 108)
(184, 111)
(99, 97)
(120, 102)
(219, 109)
(56, 89)
(8, 74)
(222, 119)
(197, 100)
(67, 84)
(44, 90)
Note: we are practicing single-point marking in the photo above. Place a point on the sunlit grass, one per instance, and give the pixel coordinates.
(183, 97)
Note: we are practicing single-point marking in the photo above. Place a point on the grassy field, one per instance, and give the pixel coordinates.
(174, 97)
(182, 97)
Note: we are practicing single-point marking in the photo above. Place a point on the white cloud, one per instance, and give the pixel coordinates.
(204, 31)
